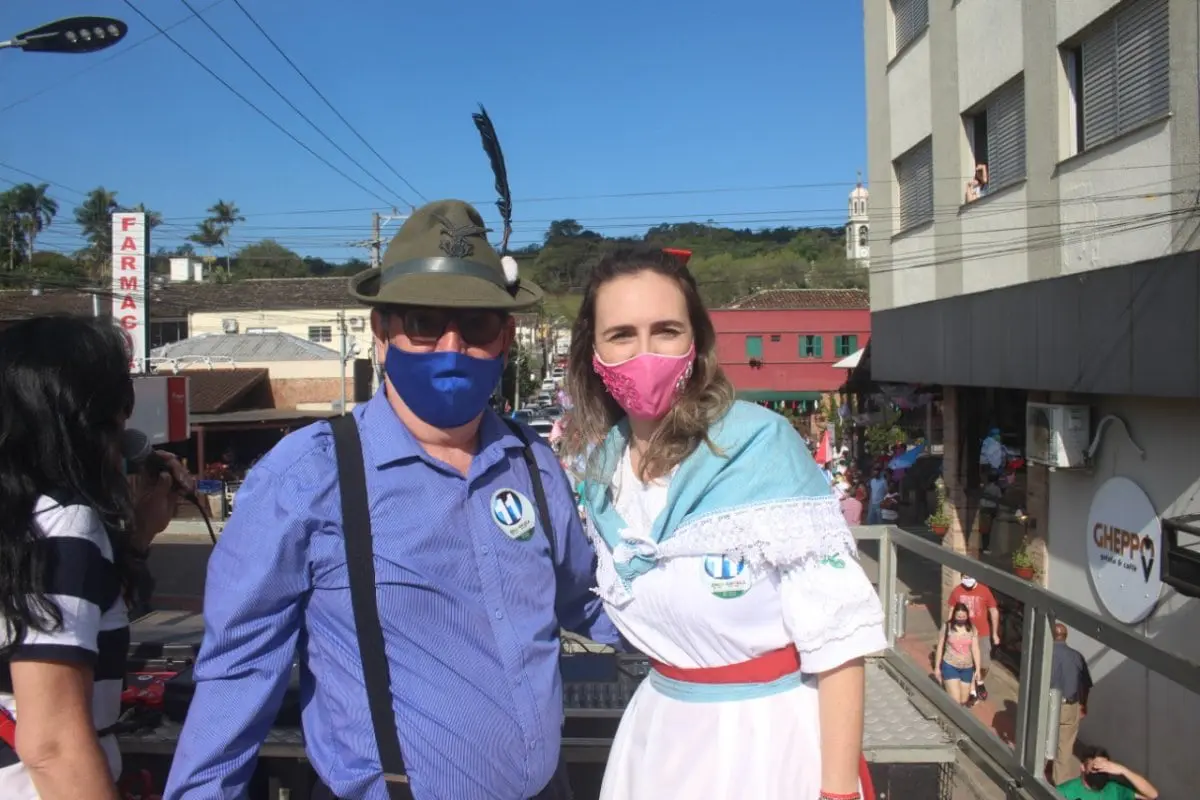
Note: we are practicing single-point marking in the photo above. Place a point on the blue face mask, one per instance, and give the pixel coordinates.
(443, 388)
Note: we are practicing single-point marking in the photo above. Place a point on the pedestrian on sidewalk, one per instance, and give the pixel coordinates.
(1069, 674)
(985, 617)
(957, 656)
(878, 490)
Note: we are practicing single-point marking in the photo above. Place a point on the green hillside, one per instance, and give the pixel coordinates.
(728, 263)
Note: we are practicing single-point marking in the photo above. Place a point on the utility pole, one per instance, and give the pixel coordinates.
(376, 240)
(343, 357)
(375, 244)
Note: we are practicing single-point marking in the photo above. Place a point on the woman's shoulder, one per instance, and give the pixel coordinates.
(62, 515)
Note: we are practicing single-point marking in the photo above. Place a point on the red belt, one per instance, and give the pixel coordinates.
(763, 669)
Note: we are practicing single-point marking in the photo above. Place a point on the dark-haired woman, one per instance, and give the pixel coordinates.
(722, 554)
(957, 655)
(72, 538)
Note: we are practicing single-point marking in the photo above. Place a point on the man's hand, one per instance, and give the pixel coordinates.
(995, 639)
(1106, 766)
(158, 500)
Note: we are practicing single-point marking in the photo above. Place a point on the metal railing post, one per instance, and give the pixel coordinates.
(900, 617)
(1053, 715)
(887, 583)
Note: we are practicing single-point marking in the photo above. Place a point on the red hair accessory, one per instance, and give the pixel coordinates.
(682, 255)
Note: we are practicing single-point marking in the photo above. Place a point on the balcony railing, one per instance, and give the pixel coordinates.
(1017, 769)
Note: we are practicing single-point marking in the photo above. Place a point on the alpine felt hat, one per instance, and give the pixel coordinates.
(441, 258)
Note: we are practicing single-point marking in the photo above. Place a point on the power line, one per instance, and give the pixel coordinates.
(94, 64)
(40, 178)
(289, 103)
(254, 107)
(325, 100)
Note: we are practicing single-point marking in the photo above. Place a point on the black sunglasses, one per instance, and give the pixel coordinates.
(425, 326)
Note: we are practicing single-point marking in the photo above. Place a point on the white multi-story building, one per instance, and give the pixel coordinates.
(1036, 166)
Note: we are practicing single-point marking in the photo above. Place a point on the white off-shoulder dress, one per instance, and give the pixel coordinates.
(699, 607)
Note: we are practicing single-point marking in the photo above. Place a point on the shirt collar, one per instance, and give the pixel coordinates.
(387, 440)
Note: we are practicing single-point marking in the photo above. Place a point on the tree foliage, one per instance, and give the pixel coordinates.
(728, 263)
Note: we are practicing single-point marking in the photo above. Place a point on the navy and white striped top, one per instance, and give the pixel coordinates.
(82, 581)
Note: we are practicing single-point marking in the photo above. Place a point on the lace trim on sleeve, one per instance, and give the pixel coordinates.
(827, 606)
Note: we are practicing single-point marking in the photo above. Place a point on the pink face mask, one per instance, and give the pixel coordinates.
(647, 384)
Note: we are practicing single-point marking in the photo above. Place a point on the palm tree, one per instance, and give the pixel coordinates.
(209, 235)
(12, 243)
(225, 215)
(94, 217)
(153, 218)
(34, 210)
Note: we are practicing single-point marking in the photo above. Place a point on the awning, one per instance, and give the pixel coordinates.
(850, 361)
(768, 395)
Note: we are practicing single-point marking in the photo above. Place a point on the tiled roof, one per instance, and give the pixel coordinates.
(218, 390)
(174, 300)
(255, 347)
(265, 294)
(21, 304)
(803, 300)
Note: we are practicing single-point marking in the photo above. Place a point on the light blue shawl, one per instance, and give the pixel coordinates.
(760, 459)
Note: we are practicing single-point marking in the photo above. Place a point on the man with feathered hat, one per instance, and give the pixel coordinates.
(419, 556)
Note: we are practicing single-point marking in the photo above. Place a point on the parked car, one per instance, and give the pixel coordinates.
(524, 415)
(542, 426)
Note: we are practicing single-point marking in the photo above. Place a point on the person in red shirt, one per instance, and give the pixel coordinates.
(985, 617)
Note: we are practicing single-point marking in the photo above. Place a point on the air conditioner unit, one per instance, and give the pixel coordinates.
(1057, 435)
(357, 323)
(229, 325)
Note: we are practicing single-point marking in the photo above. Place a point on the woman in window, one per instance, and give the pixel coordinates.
(722, 554)
(72, 540)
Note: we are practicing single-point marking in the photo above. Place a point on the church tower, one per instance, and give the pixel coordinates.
(858, 248)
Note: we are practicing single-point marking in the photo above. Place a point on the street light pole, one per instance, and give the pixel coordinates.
(73, 35)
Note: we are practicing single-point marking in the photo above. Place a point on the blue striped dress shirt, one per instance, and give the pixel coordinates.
(470, 614)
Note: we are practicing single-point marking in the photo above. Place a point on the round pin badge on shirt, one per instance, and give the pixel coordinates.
(727, 577)
(513, 513)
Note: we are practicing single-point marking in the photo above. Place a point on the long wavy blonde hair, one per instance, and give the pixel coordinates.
(705, 398)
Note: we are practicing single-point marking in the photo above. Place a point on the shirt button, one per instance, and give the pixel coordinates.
(499, 615)
(533, 745)
(485, 549)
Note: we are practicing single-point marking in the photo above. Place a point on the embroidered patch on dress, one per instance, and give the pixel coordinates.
(727, 577)
(513, 513)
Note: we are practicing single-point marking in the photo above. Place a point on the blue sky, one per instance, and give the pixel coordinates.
(665, 99)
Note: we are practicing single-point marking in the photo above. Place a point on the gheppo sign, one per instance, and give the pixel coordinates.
(130, 294)
(1124, 544)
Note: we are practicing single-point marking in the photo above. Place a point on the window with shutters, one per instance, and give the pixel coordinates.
(844, 345)
(1120, 72)
(909, 19)
(914, 177)
(996, 132)
(321, 334)
(810, 346)
(754, 348)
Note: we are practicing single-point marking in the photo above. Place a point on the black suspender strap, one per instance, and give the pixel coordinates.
(360, 563)
(539, 491)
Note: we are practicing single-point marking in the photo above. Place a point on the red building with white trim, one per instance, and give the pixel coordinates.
(781, 344)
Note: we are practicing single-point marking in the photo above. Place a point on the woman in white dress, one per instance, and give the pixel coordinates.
(722, 555)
